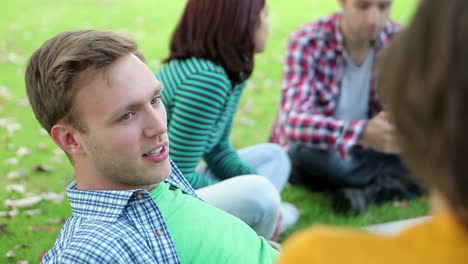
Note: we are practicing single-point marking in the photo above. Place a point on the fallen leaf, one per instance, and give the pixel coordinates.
(64, 182)
(54, 197)
(12, 175)
(49, 228)
(10, 214)
(268, 82)
(41, 146)
(140, 21)
(246, 121)
(25, 202)
(42, 168)
(14, 27)
(33, 212)
(260, 74)
(58, 221)
(4, 229)
(252, 86)
(15, 58)
(27, 35)
(39, 228)
(16, 188)
(57, 160)
(280, 59)
(11, 147)
(20, 72)
(12, 161)
(23, 151)
(59, 152)
(12, 128)
(13, 213)
(5, 121)
(249, 106)
(33, 200)
(24, 102)
(21, 246)
(35, 228)
(5, 92)
(404, 204)
(43, 132)
(10, 254)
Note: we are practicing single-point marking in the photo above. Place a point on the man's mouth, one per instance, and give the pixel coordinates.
(154, 152)
(372, 31)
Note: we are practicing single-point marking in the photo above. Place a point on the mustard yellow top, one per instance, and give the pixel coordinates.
(442, 240)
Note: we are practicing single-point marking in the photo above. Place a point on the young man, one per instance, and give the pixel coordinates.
(93, 93)
(330, 117)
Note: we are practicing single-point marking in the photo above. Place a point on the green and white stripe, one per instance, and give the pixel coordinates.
(201, 104)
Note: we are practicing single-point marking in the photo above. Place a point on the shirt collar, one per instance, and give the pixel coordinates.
(336, 31)
(107, 206)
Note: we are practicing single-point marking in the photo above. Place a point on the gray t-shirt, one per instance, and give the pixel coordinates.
(353, 103)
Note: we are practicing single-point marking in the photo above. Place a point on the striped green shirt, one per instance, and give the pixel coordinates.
(201, 103)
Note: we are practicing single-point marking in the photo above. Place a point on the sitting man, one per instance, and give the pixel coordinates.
(93, 93)
(330, 116)
(427, 98)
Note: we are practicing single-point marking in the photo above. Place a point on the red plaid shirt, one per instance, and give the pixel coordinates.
(313, 72)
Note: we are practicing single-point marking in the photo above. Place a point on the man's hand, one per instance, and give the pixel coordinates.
(379, 134)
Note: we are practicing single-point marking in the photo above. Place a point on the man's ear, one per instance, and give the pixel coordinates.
(67, 138)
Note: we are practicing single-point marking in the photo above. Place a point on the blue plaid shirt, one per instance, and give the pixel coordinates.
(116, 227)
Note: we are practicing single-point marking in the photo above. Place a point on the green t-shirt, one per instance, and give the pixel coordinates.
(205, 234)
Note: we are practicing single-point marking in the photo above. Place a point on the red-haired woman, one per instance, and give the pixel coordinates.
(211, 57)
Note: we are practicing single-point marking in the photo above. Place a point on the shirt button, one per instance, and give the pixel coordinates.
(160, 232)
(140, 196)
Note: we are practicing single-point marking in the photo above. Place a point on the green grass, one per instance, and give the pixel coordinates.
(24, 25)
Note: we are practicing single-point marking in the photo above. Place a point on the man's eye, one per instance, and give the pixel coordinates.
(155, 100)
(384, 6)
(127, 116)
(363, 6)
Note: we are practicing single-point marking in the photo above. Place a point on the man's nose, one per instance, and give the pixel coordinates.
(373, 16)
(155, 122)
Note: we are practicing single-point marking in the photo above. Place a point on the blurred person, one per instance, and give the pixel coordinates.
(423, 81)
(330, 118)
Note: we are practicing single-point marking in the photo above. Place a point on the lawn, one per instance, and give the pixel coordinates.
(31, 165)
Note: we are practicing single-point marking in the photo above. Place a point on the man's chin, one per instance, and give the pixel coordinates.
(154, 182)
(370, 40)
(156, 173)
(163, 171)
(373, 37)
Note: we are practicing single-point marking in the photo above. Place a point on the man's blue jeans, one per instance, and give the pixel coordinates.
(322, 170)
